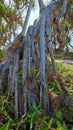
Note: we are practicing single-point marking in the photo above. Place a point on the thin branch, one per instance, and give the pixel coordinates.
(41, 4)
(27, 17)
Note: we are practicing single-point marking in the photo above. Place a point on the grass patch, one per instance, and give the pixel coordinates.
(66, 72)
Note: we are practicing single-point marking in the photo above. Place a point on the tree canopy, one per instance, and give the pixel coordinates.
(11, 18)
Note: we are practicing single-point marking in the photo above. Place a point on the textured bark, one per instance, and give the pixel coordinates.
(43, 93)
(27, 17)
(51, 8)
(17, 43)
(1, 84)
(41, 4)
(53, 60)
(51, 14)
(24, 76)
(10, 74)
(63, 9)
(42, 57)
(29, 32)
(25, 62)
(34, 56)
(15, 85)
(10, 80)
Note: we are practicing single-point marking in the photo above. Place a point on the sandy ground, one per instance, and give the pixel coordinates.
(64, 61)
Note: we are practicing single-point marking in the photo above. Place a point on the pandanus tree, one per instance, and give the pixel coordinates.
(28, 54)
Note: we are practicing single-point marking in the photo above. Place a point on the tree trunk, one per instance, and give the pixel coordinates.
(1, 85)
(15, 80)
(27, 17)
(32, 92)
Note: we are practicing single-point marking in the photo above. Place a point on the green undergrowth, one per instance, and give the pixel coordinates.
(66, 72)
(33, 118)
(62, 115)
(63, 100)
(65, 68)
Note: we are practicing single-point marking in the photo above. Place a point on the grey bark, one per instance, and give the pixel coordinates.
(27, 17)
(29, 32)
(25, 62)
(19, 39)
(63, 9)
(15, 85)
(49, 18)
(41, 4)
(53, 60)
(28, 93)
(42, 55)
(24, 76)
(13, 46)
(43, 92)
(49, 39)
(10, 75)
(1, 84)
(10, 80)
